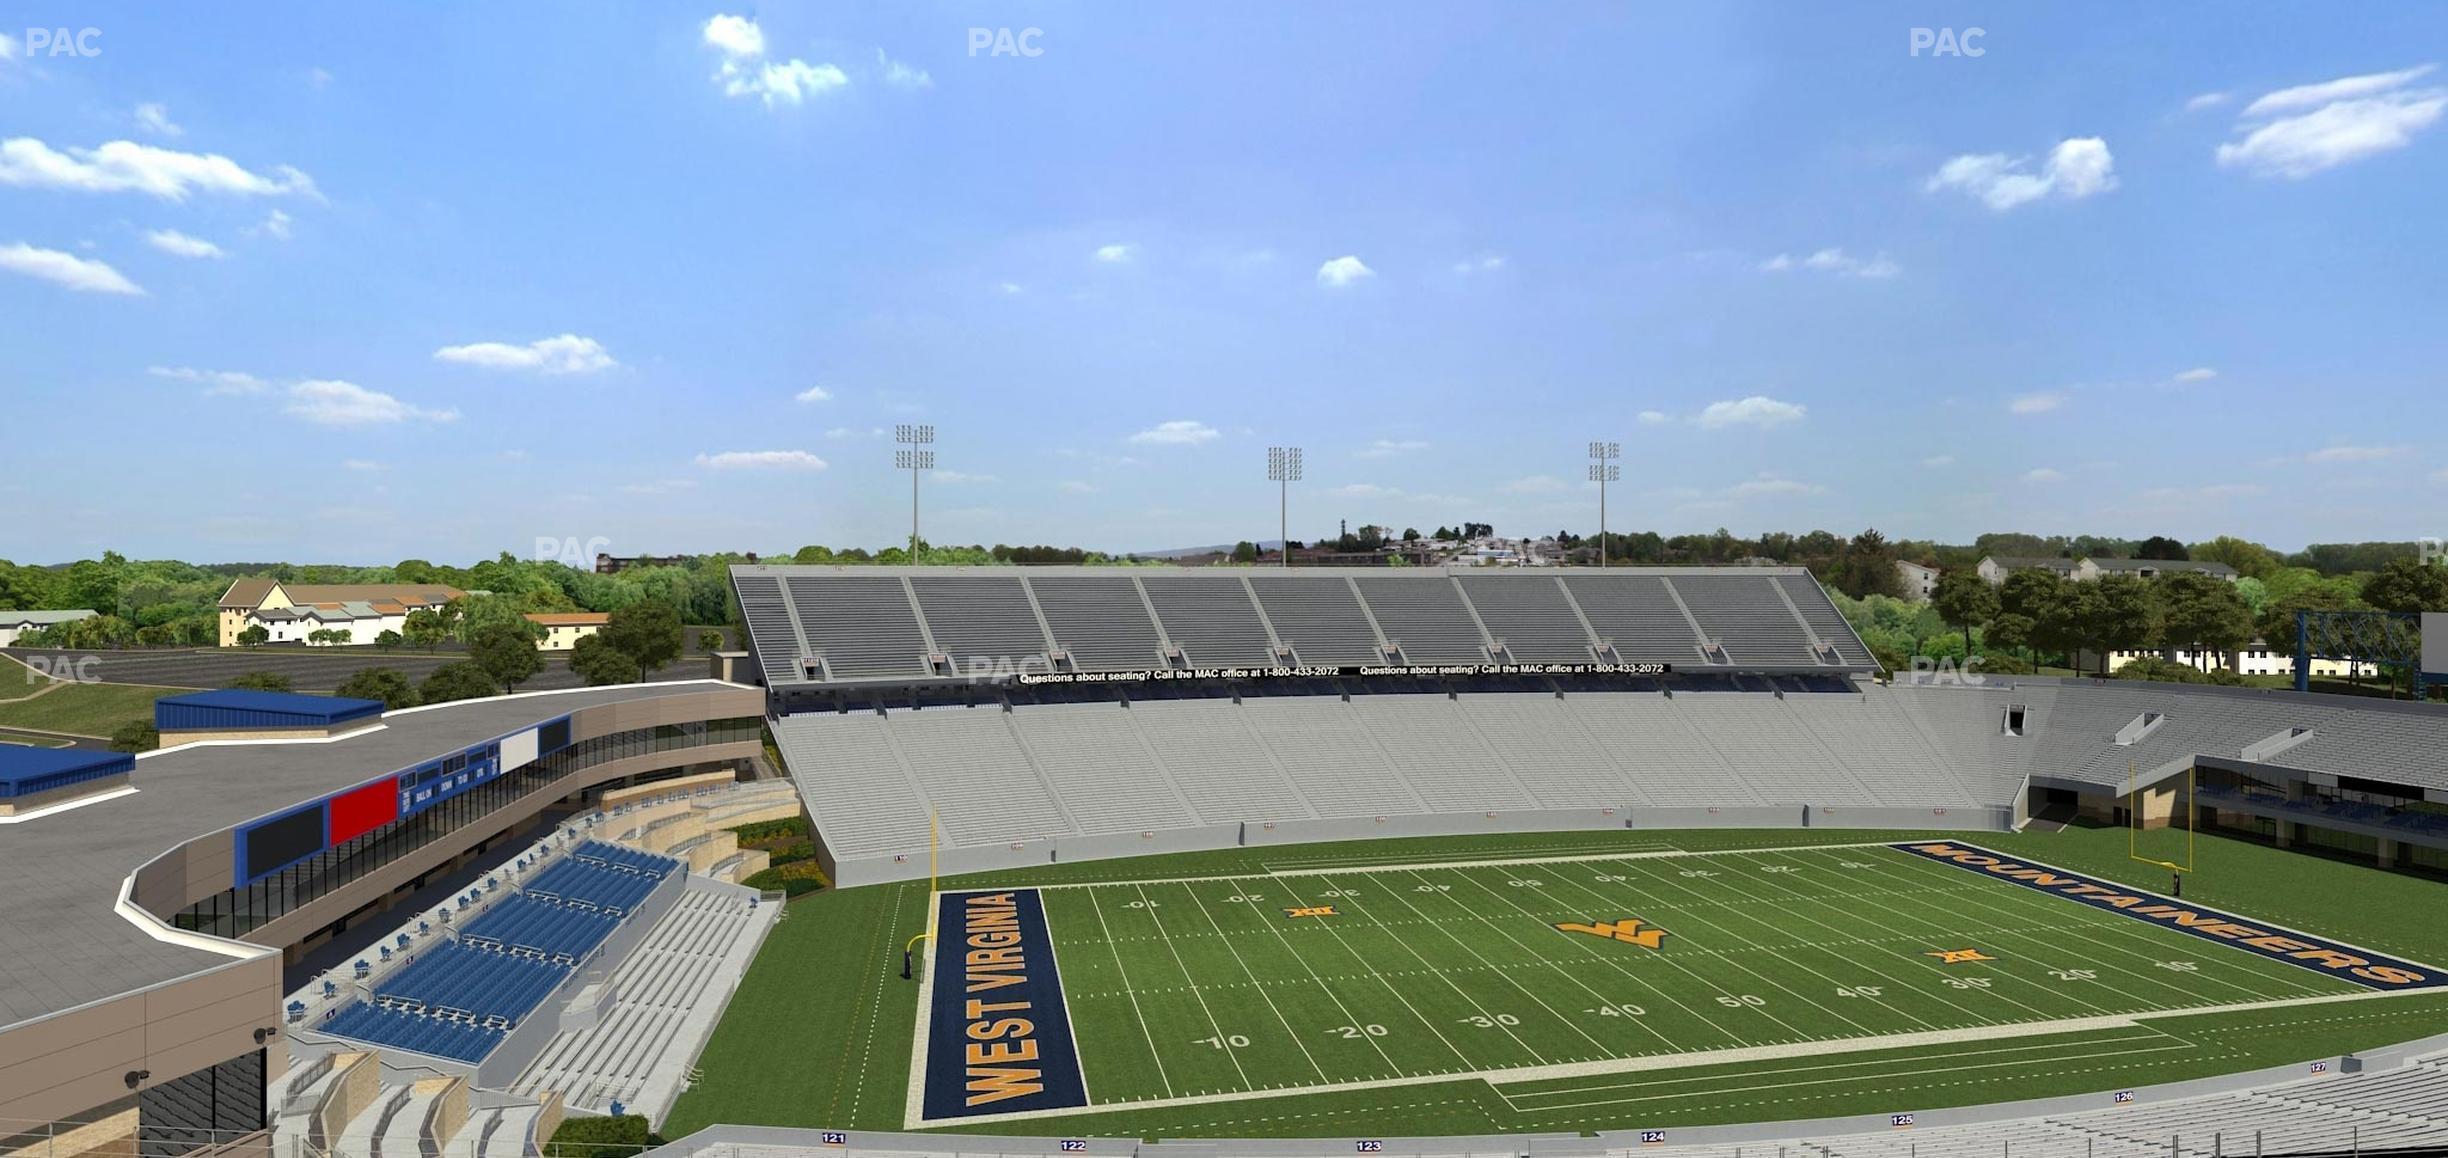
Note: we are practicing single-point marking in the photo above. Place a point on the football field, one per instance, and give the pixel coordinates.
(1573, 984)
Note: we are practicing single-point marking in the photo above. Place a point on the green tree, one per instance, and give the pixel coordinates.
(389, 640)
(463, 680)
(648, 633)
(261, 681)
(135, 736)
(2038, 600)
(709, 641)
(1964, 600)
(380, 683)
(256, 635)
(598, 662)
(1245, 552)
(2407, 585)
(2116, 615)
(424, 627)
(505, 652)
(2201, 614)
(2160, 547)
(2247, 557)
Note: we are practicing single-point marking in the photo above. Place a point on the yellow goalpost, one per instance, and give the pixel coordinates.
(934, 840)
(2134, 819)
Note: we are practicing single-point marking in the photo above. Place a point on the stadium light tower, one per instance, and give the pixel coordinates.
(914, 460)
(1602, 470)
(1284, 469)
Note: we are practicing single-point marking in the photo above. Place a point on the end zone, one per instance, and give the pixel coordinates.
(2305, 950)
(998, 1036)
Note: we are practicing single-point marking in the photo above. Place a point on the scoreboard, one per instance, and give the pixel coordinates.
(277, 842)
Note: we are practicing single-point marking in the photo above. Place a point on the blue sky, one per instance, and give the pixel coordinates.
(294, 282)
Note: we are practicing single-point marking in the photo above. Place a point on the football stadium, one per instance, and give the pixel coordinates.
(1316, 860)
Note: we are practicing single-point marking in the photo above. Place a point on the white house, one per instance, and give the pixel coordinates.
(563, 629)
(2252, 661)
(1919, 582)
(16, 623)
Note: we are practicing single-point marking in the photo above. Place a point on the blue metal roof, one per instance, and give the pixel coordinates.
(246, 708)
(26, 771)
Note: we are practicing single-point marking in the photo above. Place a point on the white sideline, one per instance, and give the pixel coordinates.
(1682, 1060)
(1404, 866)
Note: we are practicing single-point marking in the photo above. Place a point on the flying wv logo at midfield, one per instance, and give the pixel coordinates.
(1628, 931)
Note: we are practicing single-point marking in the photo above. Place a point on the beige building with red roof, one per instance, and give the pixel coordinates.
(294, 612)
(563, 629)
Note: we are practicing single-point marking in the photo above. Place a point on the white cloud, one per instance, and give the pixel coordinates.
(1537, 484)
(1116, 254)
(761, 460)
(1653, 418)
(1836, 261)
(1343, 271)
(2307, 96)
(155, 118)
(814, 394)
(125, 167)
(1488, 264)
(1010, 288)
(2296, 132)
(67, 269)
(2354, 453)
(1364, 491)
(2043, 475)
(566, 354)
(745, 71)
(900, 74)
(2208, 100)
(1938, 460)
(956, 476)
(1180, 432)
(2037, 402)
(1387, 448)
(331, 402)
(362, 464)
(1753, 411)
(216, 382)
(178, 244)
(2196, 374)
(8, 47)
(1074, 486)
(1769, 484)
(319, 77)
(275, 226)
(735, 36)
(2078, 167)
(844, 432)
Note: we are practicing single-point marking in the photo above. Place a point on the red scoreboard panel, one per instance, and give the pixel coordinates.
(360, 811)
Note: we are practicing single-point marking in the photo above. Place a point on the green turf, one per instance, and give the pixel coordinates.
(1178, 990)
(84, 709)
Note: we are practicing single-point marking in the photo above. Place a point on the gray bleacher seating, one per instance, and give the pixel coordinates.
(1531, 618)
(861, 624)
(1639, 614)
(1746, 617)
(1320, 619)
(1100, 620)
(981, 617)
(1213, 620)
(1427, 618)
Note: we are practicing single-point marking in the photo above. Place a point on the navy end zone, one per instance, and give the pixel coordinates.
(999, 1036)
(2360, 966)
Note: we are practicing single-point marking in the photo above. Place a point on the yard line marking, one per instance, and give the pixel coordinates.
(1541, 1002)
(1153, 1053)
(2125, 932)
(1507, 933)
(1596, 952)
(914, 1109)
(1045, 916)
(1222, 1041)
(2121, 1052)
(1450, 983)
(2026, 1053)
(1349, 1018)
(1929, 967)
(1022, 881)
(1424, 1021)
(1737, 962)
(1246, 971)
(1806, 1048)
